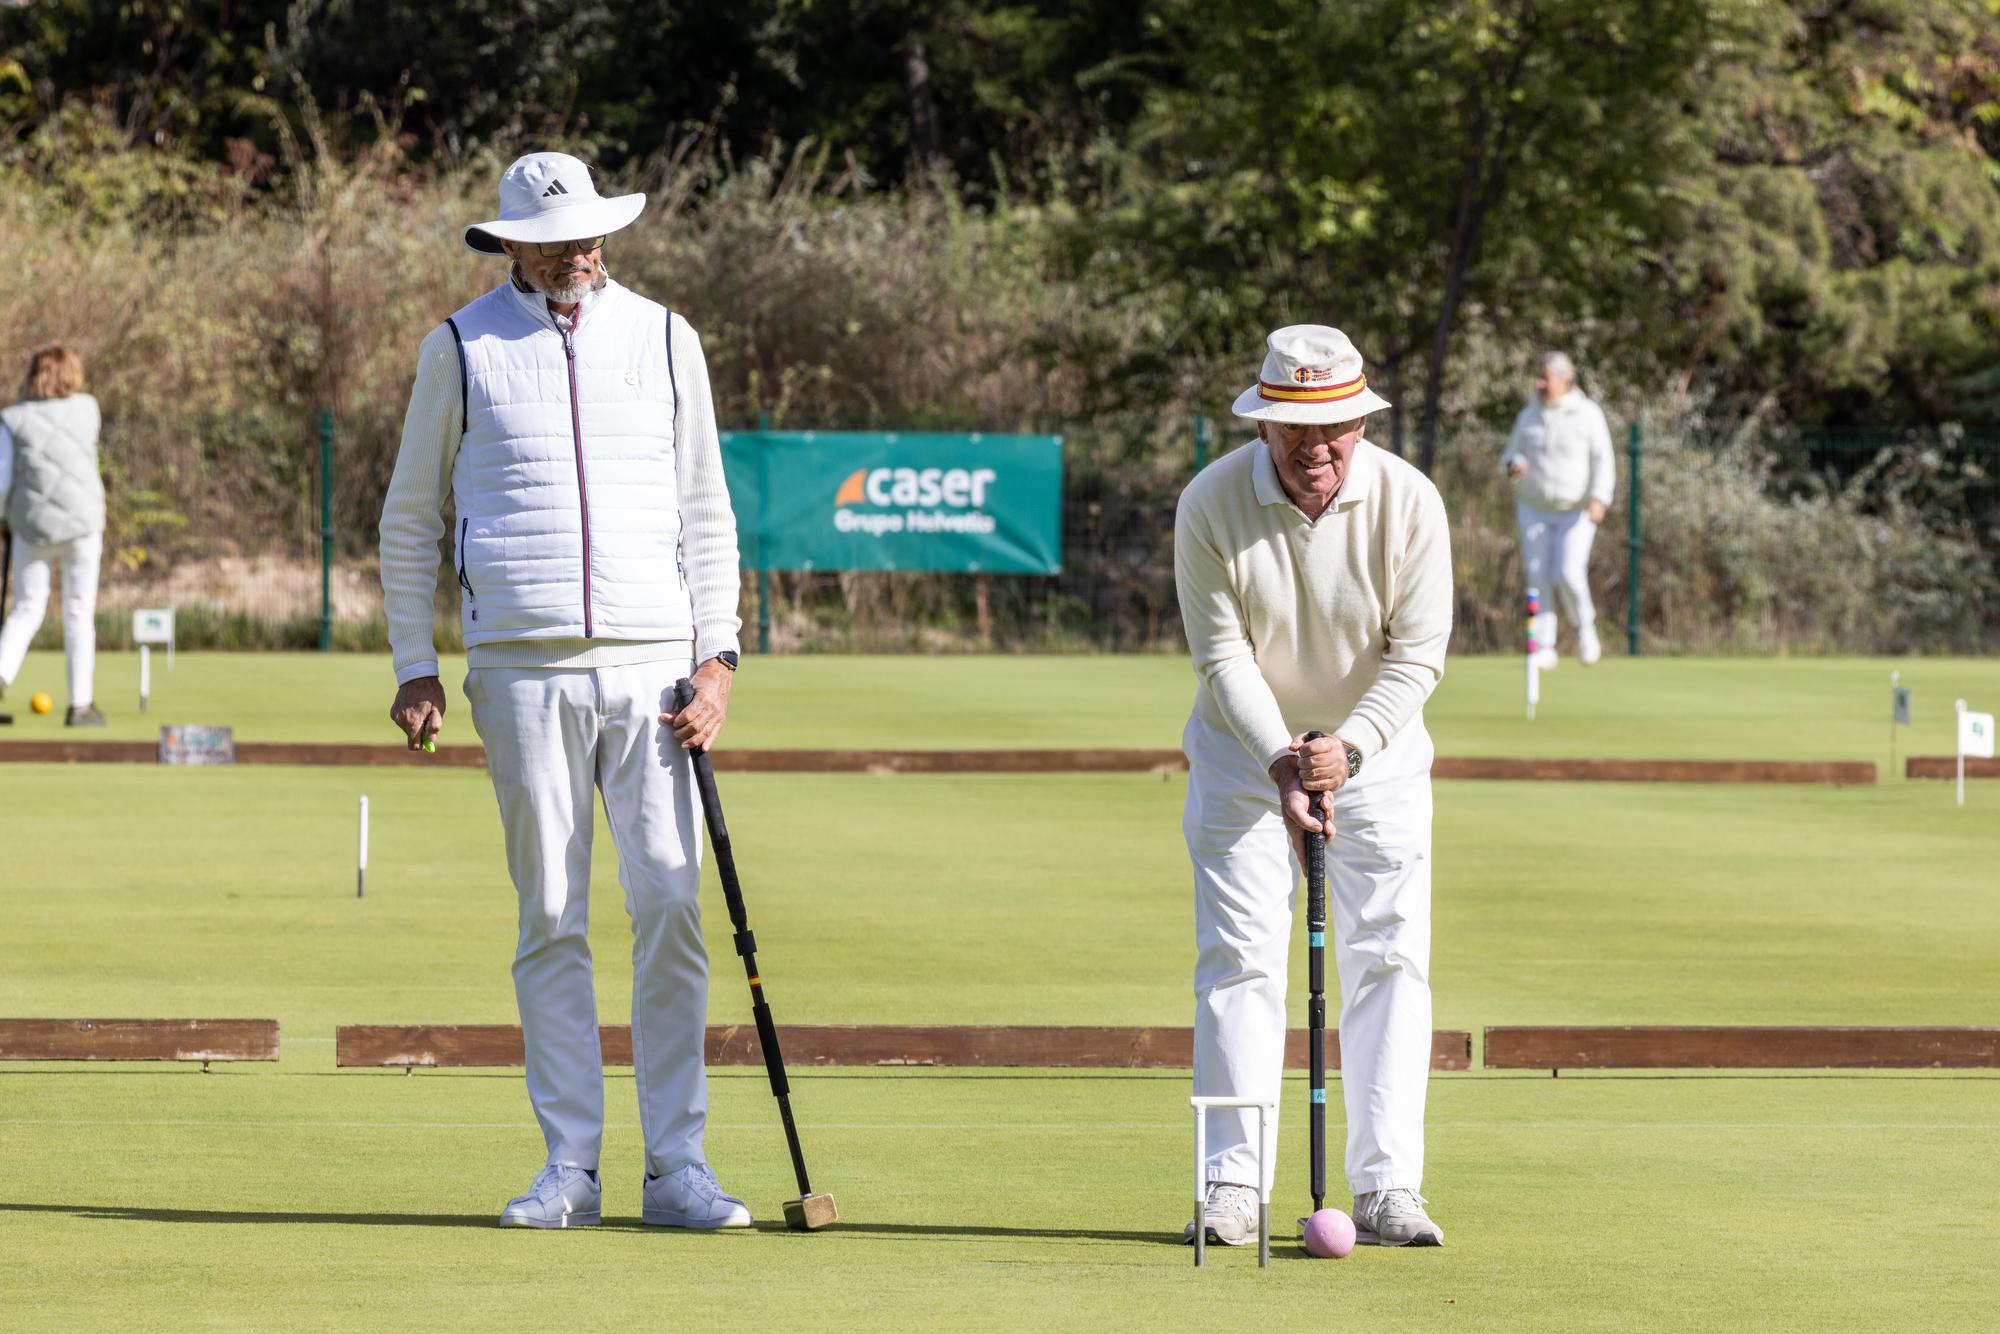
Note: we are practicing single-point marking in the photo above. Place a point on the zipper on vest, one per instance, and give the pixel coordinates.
(576, 430)
(464, 525)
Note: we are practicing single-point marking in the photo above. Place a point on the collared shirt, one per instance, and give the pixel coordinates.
(1337, 624)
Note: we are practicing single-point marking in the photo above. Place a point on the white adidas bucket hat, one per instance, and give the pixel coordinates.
(550, 197)
(1311, 374)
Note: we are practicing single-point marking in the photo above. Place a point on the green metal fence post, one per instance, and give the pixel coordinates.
(325, 530)
(763, 521)
(1632, 541)
(1200, 443)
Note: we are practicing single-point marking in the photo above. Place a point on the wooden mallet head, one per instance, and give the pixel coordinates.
(808, 1213)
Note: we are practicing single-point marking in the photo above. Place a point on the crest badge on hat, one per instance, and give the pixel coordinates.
(1311, 373)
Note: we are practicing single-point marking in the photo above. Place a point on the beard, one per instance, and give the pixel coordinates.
(569, 288)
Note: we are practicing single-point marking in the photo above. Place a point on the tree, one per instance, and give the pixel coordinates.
(1388, 166)
(1846, 262)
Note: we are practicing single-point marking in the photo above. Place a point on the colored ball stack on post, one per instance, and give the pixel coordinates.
(1534, 648)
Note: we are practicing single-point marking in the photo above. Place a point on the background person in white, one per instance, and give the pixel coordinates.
(570, 421)
(53, 498)
(1559, 455)
(1314, 573)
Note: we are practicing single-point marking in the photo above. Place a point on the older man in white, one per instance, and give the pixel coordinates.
(570, 421)
(1314, 572)
(1559, 457)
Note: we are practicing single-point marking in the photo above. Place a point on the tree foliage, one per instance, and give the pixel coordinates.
(1783, 208)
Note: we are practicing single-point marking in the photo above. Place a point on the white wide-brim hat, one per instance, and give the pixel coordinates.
(1311, 374)
(550, 197)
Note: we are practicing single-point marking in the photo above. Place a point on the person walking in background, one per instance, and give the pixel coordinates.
(1314, 575)
(570, 421)
(54, 504)
(1559, 458)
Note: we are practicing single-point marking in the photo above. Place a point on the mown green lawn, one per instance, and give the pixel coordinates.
(1723, 708)
(298, 1196)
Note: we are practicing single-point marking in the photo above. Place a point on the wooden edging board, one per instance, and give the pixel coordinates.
(1946, 766)
(1502, 768)
(448, 1045)
(1644, 1047)
(201, 1040)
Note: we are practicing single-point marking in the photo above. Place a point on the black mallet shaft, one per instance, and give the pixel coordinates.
(808, 1211)
(1316, 985)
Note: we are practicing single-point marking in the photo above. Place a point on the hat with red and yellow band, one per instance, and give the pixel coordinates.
(1311, 373)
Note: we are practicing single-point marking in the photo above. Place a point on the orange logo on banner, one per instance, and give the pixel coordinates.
(852, 491)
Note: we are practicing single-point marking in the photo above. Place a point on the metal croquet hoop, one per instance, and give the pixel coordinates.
(1316, 987)
(808, 1211)
(1265, 1111)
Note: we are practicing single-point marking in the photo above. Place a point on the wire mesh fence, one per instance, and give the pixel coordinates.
(1822, 539)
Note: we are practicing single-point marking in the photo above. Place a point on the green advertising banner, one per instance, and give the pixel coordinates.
(864, 500)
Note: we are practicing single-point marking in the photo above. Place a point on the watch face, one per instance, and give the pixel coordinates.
(727, 659)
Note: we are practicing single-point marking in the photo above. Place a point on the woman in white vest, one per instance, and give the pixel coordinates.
(569, 421)
(1559, 458)
(55, 508)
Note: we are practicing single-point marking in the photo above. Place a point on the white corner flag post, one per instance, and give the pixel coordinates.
(1899, 714)
(1975, 738)
(1534, 608)
(361, 857)
(150, 626)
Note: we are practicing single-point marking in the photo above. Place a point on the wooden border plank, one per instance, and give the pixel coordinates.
(1666, 1047)
(1840, 773)
(1946, 767)
(1047, 1047)
(1106, 761)
(201, 1040)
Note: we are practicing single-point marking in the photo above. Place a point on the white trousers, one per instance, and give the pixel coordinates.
(1555, 560)
(552, 736)
(1379, 918)
(32, 568)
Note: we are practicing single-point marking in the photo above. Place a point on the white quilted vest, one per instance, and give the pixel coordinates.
(57, 495)
(569, 520)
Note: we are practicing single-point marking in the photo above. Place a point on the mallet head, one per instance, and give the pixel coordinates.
(808, 1213)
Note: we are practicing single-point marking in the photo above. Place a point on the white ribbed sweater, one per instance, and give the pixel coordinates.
(1338, 624)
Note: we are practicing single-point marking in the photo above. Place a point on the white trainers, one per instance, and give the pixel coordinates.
(1545, 659)
(1588, 650)
(1230, 1213)
(1394, 1218)
(561, 1197)
(692, 1197)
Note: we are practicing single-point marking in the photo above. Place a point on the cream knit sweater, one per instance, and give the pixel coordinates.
(1338, 624)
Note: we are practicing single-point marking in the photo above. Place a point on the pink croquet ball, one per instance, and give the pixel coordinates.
(1329, 1234)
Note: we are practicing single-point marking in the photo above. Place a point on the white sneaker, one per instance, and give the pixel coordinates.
(1545, 659)
(1394, 1218)
(692, 1197)
(561, 1197)
(1588, 650)
(1230, 1214)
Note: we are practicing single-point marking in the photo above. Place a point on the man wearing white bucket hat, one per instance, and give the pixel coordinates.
(570, 421)
(1314, 573)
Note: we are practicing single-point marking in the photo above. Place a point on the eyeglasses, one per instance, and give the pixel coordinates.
(1293, 432)
(556, 249)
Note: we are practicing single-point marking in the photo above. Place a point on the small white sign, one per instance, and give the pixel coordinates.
(152, 625)
(189, 744)
(1975, 735)
(1900, 705)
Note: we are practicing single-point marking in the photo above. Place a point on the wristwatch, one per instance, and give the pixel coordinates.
(726, 658)
(1353, 759)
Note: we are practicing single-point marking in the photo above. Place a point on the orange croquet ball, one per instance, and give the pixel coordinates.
(40, 701)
